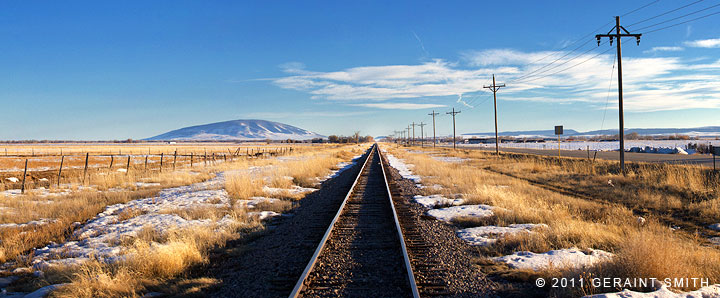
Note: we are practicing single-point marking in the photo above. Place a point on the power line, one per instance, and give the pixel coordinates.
(675, 18)
(556, 60)
(607, 98)
(542, 74)
(573, 43)
(564, 69)
(685, 22)
(641, 7)
(665, 13)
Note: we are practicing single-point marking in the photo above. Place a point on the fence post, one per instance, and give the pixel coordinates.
(588, 150)
(87, 156)
(174, 159)
(22, 189)
(62, 160)
(146, 157)
(191, 159)
(162, 154)
(205, 158)
(127, 167)
(112, 159)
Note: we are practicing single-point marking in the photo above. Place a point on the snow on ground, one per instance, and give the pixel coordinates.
(99, 237)
(451, 159)
(447, 214)
(39, 222)
(146, 184)
(561, 258)
(254, 201)
(487, 235)
(292, 191)
(342, 167)
(434, 201)
(262, 215)
(664, 292)
(64, 189)
(403, 168)
(12, 179)
(599, 146)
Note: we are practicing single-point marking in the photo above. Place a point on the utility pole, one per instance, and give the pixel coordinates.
(398, 133)
(619, 35)
(494, 89)
(453, 115)
(422, 135)
(413, 138)
(407, 140)
(433, 115)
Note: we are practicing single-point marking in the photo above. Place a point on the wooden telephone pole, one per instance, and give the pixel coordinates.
(413, 136)
(453, 115)
(433, 115)
(407, 139)
(619, 35)
(494, 87)
(422, 135)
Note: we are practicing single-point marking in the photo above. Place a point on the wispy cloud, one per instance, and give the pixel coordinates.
(664, 49)
(399, 105)
(302, 115)
(704, 43)
(650, 83)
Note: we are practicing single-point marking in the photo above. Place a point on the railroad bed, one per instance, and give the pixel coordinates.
(362, 253)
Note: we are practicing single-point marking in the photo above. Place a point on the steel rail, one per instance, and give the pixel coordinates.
(300, 283)
(408, 266)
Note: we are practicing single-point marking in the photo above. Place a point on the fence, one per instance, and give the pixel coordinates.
(122, 163)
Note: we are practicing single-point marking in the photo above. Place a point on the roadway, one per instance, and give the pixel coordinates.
(695, 159)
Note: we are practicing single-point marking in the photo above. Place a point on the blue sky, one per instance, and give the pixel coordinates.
(134, 69)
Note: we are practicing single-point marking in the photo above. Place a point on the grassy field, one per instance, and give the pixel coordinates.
(586, 205)
(44, 161)
(153, 256)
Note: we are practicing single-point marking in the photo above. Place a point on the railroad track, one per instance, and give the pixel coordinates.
(371, 246)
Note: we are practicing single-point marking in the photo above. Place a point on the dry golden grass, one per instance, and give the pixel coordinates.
(649, 250)
(152, 257)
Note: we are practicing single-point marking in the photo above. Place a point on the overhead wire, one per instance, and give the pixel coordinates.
(676, 18)
(684, 22)
(607, 98)
(665, 13)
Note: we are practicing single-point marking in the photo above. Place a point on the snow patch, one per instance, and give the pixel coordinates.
(13, 179)
(434, 201)
(451, 159)
(403, 168)
(42, 221)
(664, 292)
(487, 235)
(561, 258)
(715, 226)
(447, 214)
(292, 191)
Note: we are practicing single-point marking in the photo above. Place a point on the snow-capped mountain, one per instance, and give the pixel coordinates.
(238, 130)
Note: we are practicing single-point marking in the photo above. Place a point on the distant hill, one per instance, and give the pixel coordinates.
(706, 131)
(238, 130)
